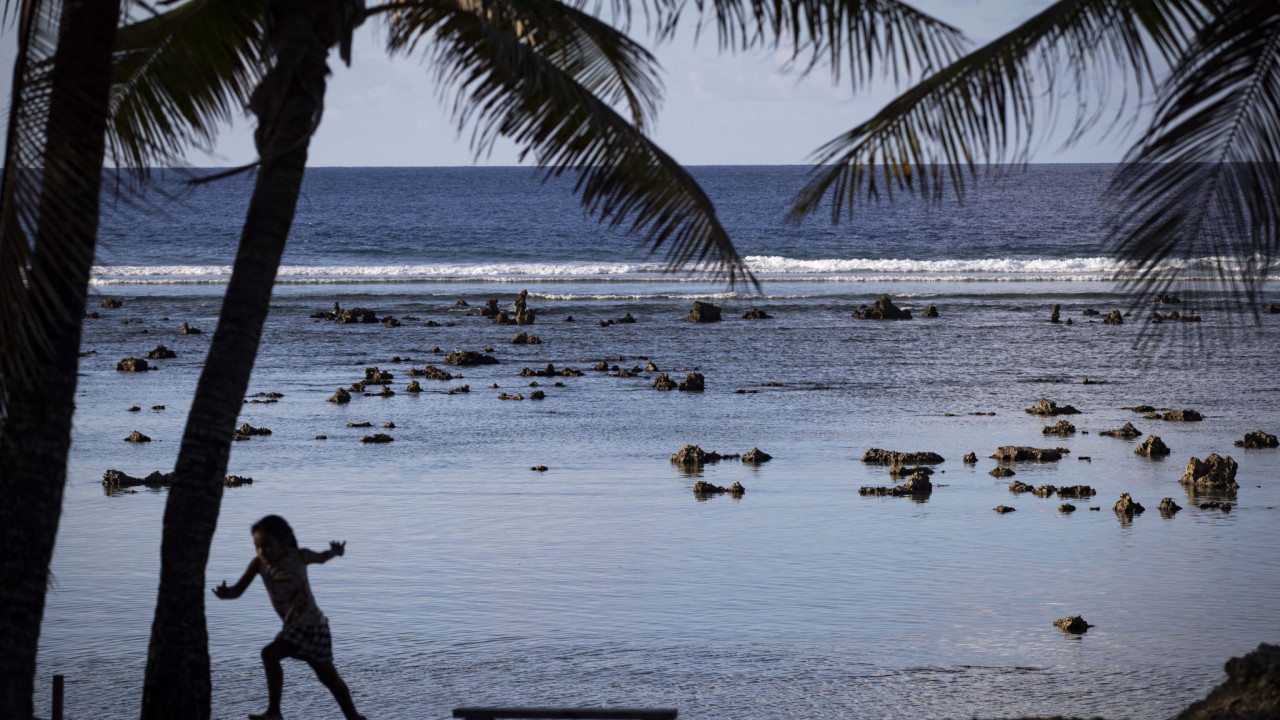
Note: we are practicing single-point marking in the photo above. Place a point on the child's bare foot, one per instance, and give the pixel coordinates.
(268, 715)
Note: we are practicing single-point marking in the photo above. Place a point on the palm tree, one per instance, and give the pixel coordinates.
(542, 72)
(1203, 180)
(48, 228)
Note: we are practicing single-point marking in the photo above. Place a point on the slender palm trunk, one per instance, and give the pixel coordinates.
(288, 104)
(37, 424)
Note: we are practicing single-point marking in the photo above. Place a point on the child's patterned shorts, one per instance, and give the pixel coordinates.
(311, 643)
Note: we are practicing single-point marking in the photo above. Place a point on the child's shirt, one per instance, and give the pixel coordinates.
(289, 590)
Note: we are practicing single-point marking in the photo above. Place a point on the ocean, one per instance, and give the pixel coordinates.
(605, 580)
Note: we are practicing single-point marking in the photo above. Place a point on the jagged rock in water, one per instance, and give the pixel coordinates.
(1152, 447)
(901, 471)
(539, 468)
(1018, 487)
(1019, 453)
(1215, 505)
(430, 372)
(94, 316)
(1066, 508)
(1250, 692)
(1168, 507)
(1053, 316)
(509, 396)
(374, 376)
(390, 425)
(537, 395)
(703, 312)
(526, 339)
(377, 439)
(1141, 408)
(137, 437)
(664, 383)
(1063, 428)
(1044, 491)
(1127, 506)
(1002, 509)
(383, 391)
(971, 459)
(1127, 432)
(1113, 318)
(876, 456)
(1257, 440)
(1004, 472)
(756, 314)
(352, 316)
(188, 330)
(693, 382)
(490, 309)
(341, 397)
(246, 431)
(1073, 624)
(1187, 415)
(236, 481)
(132, 364)
(1163, 299)
(882, 309)
(1272, 309)
(469, 358)
(1080, 492)
(114, 480)
(391, 322)
(414, 387)
(650, 367)
(459, 389)
(736, 490)
(703, 487)
(756, 456)
(570, 372)
(694, 456)
(602, 366)
(930, 312)
(1048, 408)
(134, 408)
(112, 304)
(1090, 312)
(917, 485)
(1215, 474)
(322, 437)
(359, 424)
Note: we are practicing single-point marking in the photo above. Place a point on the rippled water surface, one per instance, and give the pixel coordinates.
(470, 580)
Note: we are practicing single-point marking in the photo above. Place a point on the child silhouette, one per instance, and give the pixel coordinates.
(305, 636)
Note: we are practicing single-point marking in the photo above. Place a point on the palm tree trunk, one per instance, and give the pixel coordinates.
(37, 423)
(288, 104)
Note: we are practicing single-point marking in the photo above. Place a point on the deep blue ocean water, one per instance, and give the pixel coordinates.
(470, 580)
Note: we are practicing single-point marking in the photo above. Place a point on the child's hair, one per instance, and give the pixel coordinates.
(278, 528)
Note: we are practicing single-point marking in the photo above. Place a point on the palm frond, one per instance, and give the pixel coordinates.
(179, 75)
(21, 314)
(985, 107)
(511, 80)
(1203, 185)
(862, 37)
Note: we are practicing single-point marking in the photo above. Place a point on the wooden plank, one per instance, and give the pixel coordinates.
(561, 713)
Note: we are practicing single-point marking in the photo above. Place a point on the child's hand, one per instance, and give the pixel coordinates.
(338, 548)
(223, 592)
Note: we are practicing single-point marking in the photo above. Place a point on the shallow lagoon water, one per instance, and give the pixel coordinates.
(470, 580)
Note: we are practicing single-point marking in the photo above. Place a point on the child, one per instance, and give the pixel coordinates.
(305, 636)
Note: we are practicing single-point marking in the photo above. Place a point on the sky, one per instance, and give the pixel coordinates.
(718, 109)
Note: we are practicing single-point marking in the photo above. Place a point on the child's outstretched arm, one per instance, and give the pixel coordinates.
(335, 549)
(235, 591)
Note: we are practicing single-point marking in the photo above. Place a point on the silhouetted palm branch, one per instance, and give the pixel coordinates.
(23, 313)
(524, 70)
(984, 108)
(1204, 182)
(179, 75)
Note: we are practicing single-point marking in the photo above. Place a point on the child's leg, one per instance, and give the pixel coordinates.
(328, 675)
(271, 657)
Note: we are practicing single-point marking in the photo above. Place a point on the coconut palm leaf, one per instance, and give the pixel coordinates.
(985, 107)
(1203, 185)
(862, 37)
(525, 70)
(179, 75)
(22, 312)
